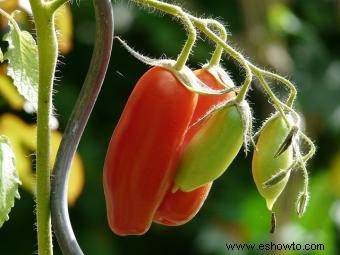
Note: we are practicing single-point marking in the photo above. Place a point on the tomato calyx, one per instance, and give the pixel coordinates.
(288, 141)
(277, 178)
(221, 76)
(301, 203)
(186, 76)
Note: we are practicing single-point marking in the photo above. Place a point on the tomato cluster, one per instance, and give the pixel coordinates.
(171, 143)
(158, 125)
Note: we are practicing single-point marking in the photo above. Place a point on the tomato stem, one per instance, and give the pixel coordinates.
(216, 57)
(201, 25)
(179, 13)
(76, 125)
(279, 78)
(55, 4)
(274, 99)
(48, 54)
(311, 145)
(280, 106)
(238, 57)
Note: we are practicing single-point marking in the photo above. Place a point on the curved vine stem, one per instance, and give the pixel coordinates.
(203, 26)
(311, 145)
(292, 89)
(216, 57)
(76, 124)
(278, 104)
(179, 13)
(55, 4)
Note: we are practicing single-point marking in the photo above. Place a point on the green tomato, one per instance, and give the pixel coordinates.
(266, 164)
(211, 150)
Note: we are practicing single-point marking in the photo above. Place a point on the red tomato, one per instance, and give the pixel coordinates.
(180, 207)
(143, 152)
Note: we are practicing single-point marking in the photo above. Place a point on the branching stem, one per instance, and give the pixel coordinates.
(179, 13)
(203, 26)
(217, 55)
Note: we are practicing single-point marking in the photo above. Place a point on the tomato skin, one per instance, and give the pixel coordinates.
(144, 148)
(265, 164)
(180, 207)
(205, 102)
(211, 150)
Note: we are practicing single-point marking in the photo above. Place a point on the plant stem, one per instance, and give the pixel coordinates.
(177, 12)
(290, 86)
(275, 100)
(216, 57)
(203, 26)
(54, 5)
(48, 53)
(311, 145)
(233, 53)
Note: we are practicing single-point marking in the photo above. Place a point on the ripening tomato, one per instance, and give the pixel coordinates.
(211, 150)
(180, 207)
(144, 149)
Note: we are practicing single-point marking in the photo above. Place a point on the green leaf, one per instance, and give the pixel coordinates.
(9, 180)
(22, 55)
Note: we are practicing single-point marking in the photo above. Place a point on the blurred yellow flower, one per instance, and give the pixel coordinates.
(23, 139)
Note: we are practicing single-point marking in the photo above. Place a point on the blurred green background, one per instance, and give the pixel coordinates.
(298, 39)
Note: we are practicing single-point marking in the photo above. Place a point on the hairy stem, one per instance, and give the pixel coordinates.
(292, 89)
(177, 12)
(48, 53)
(311, 145)
(201, 25)
(275, 100)
(238, 57)
(216, 57)
(55, 4)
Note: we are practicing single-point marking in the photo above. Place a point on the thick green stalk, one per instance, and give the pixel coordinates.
(48, 53)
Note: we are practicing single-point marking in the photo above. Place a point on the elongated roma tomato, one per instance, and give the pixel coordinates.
(140, 161)
(265, 165)
(211, 150)
(180, 207)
